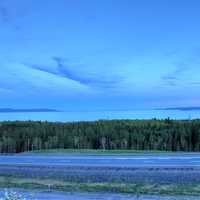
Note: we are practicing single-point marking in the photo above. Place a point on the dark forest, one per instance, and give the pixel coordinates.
(164, 135)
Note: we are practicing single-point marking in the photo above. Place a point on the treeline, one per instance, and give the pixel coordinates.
(155, 134)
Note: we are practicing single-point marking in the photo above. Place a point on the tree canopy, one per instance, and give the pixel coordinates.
(166, 135)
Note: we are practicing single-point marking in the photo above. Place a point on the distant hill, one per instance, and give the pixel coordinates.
(182, 108)
(11, 110)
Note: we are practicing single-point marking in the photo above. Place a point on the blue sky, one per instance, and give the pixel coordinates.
(99, 54)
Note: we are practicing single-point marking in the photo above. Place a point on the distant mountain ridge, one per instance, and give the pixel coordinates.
(12, 110)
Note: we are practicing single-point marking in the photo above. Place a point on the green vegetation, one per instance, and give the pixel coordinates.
(97, 152)
(55, 185)
(159, 135)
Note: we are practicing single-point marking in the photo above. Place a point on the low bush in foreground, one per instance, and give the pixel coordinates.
(139, 189)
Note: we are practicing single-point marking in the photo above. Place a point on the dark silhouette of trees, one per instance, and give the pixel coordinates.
(166, 135)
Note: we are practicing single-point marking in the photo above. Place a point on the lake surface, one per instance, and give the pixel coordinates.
(149, 160)
(90, 116)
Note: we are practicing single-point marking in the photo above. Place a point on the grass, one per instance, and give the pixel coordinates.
(53, 185)
(96, 152)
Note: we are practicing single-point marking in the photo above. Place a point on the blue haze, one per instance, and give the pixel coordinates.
(101, 115)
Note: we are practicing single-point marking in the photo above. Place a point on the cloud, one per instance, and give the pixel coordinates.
(173, 77)
(63, 69)
(24, 81)
(4, 89)
(4, 15)
(13, 12)
(195, 83)
(169, 77)
(42, 68)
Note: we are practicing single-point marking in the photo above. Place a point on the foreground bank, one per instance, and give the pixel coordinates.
(136, 174)
(42, 195)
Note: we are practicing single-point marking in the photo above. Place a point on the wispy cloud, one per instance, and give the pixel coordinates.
(27, 110)
(4, 15)
(173, 77)
(24, 82)
(13, 12)
(4, 89)
(188, 63)
(63, 69)
(195, 83)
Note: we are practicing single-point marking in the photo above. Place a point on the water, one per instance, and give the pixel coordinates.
(169, 160)
(90, 116)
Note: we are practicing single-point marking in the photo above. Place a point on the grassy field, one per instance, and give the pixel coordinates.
(97, 152)
(55, 185)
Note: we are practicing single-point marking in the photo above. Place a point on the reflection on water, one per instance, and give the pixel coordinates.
(88, 116)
